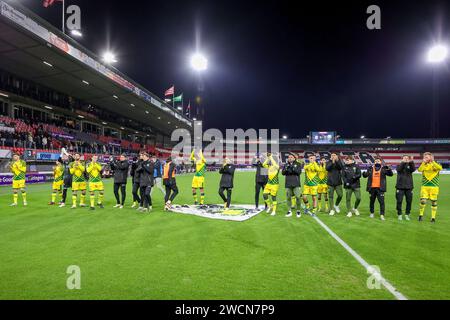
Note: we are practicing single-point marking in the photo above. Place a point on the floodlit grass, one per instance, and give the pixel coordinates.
(127, 255)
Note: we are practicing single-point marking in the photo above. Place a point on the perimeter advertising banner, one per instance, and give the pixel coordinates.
(6, 179)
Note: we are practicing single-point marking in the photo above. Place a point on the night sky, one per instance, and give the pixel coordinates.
(273, 64)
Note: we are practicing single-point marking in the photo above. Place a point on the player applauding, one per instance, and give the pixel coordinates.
(77, 169)
(58, 180)
(198, 182)
(430, 184)
(310, 186)
(273, 183)
(18, 168)
(94, 170)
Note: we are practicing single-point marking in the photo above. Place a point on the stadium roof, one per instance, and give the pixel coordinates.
(33, 49)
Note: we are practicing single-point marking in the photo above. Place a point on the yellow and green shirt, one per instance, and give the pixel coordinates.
(430, 174)
(94, 170)
(323, 174)
(19, 168)
(58, 173)
(312, 174)
(77, 171)
(273, 170)
(200, 164)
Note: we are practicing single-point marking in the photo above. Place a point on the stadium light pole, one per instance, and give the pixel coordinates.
(199, 63)
(436, 56)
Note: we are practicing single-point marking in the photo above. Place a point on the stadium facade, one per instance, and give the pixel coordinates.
(46, 75)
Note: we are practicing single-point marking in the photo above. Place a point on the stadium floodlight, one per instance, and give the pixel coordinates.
(199, 62)
(109, 57)
(76, 33)
(437, 53)
(284, 137)
(363, 137)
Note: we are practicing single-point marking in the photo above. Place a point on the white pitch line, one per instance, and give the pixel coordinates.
(397, 294)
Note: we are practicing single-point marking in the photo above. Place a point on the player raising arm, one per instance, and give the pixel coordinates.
(430, 184)
(273, 183)
(18, 168)
(198, 182)
(94, 169)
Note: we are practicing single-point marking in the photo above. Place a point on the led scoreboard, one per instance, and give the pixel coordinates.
(322, 137)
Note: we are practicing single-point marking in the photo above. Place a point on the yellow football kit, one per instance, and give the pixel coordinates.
(95, 182)
(430, 180)
(77, 170)
(273, 182)
(58, 172)
(58, 180)
(311, 179)
(430, 187)
(95, 178)
(323, 179)
(18, 169)
(198, 181)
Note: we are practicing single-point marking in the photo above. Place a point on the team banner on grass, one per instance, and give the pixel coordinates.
(239, 212)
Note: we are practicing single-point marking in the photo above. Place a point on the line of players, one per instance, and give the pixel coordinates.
(322, 180)
(72, 173)
(331, 176)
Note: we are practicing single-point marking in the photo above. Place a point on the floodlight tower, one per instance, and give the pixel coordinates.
(436, 56)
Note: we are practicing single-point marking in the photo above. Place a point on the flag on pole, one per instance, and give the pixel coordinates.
(188, 109)
(170, 91)
(178, 98)
(48, 3)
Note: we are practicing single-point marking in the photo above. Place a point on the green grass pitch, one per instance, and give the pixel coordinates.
(127, 255)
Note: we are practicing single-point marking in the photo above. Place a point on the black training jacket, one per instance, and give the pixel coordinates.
(404, 175)
(227, 172)
(145, 170)
(385, 171)
(135, 175)
(120, 171)
(334, 173)
(351, 175)
(292, 171)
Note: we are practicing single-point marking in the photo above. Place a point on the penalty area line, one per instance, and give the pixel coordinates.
(397, 294)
